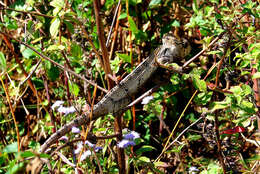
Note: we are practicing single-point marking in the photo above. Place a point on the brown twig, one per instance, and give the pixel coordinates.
(101, 38)
(227, 45)
(115, 33)
(218, 140)
(49, 103)
(12, 112)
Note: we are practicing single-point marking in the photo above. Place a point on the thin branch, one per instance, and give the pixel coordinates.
(31, 73)
(139, 99)
(176, 139)
(113, 22)
(115, 33)
(202, 51)
(55, 63)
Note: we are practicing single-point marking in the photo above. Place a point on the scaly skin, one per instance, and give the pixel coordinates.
(120, 96)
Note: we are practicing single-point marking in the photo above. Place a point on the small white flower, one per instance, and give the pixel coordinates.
(85, 155)
(66, 110)
(125, 143)
(146, 100)
(89, 144)
(79, 147)
(64, 138)
(58, 103)
(193, 170)
(75, 130)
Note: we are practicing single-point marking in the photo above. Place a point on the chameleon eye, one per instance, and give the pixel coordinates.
(185, 44)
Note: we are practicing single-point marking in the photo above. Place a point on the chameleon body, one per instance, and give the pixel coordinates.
(120, 96)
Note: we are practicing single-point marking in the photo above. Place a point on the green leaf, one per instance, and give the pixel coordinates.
(69, 26)
(246, 89)
(254, 158)
(199, 84)
(144, 159)
(122, 16)
(176, 149)
(214, 1)
(55, 47)
(203, 98)
(145, 148)
(57, 3)
(13, 169)
(11, 148)
(133, 26)
(53, 73)
(2, 61)
(256, 75)
(194, 137)
(115, 64)
(38, 82)
(154, 4)
(74, 88)
(220, 105)
(124, 57)
(27, 53)
(54, 28)
(248, 106)
(44, 155)
(76, 50)
(45, 102)
(134, 2)
(27, 154)
(195, 6)
(128, 115)
(175, 23)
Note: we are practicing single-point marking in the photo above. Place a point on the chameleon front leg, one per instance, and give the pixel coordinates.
(171, 67)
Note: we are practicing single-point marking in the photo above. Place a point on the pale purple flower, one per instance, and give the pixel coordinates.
(79, 147)
(98, 148)
(125, 143)
(132, 135)
(75, 130)
(146, 100)
(58, 103)
(66, 110)
(64, 138)
(89, 144)
(85, 155)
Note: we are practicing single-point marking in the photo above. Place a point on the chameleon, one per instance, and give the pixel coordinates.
(118, 98)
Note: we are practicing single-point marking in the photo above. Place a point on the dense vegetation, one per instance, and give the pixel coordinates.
(205, 120)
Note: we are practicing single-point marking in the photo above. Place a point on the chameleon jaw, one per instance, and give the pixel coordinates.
(164, 60)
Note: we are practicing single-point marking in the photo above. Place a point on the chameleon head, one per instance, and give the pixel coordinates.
(173, 49)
